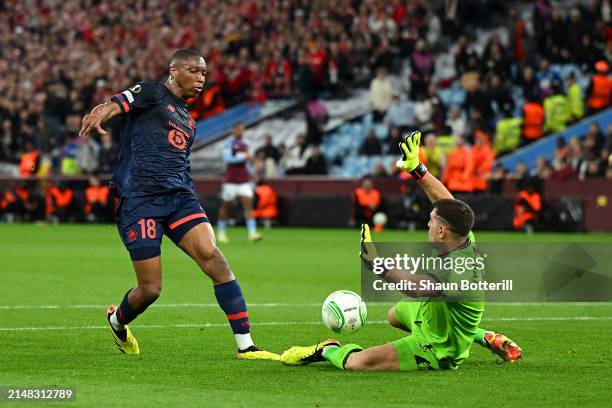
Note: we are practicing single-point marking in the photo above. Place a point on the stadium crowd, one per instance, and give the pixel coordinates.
(58, 59)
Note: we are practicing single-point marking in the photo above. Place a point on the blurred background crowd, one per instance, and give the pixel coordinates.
(58, 59)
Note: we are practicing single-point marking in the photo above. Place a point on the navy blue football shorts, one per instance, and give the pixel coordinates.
(142, 221)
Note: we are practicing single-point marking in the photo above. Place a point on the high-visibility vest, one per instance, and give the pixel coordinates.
(27, 164)
(507, 135)
(575, 101)
(366, 199)
(266, 203)
(483, 158)
(96, 194)
(533, 120)
(556, 113)
(601, 88)
(209, 103)
(522, 214)
(55, 196)
(459, 172)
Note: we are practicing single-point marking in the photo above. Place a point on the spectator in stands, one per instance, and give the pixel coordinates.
(483, 157)
(400, 114)
(434, 158)
(575, 99)
(294, 159)
(456, 122)
(315, 164)
(266, 204)
(520, 176)
(395, 138)
(507, 132)
(270, 151)
(600, 88)
(61, 203)
(371, 145)
(108, 155)
(542, 169)
(499, 93)
(459, 172)
(380, 94)
(556, 112)
(379, 171)
(533, 119)
(88, 155)
(497, 178)
(527, 209)
(316, 117)
(7, 143)
(528, 83)
(22, 202)
(424, 112)
(29, 161)
(366, 202)
(545, 78)
(563, 170)
(422, 65)
(98, 203)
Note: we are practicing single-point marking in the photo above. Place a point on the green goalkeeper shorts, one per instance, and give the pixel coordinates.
(414, 352)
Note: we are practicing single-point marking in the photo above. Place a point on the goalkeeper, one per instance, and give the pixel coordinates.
(441, 332)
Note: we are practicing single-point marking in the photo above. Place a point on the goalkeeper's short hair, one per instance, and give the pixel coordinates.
(457, 214)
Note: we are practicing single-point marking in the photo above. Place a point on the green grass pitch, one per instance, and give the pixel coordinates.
(56, 282)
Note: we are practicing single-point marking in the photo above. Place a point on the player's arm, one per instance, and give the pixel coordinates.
(419, 282)
(97, 117)
(433, 187)
(233, 158)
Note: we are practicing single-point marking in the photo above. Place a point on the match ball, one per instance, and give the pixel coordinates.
(344, 312)
(380, 219)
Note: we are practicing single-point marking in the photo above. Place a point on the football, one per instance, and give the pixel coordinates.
(344, 312)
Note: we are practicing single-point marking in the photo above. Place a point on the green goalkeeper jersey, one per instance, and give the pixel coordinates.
(449, 324)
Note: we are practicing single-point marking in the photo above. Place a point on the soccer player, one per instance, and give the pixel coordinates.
(156, 196)
(442, 332)
(237, 184)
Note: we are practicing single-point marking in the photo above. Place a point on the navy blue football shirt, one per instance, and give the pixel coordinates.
(156, 132)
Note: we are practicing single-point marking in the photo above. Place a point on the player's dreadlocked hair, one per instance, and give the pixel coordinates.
(183, 54)
(457, 214)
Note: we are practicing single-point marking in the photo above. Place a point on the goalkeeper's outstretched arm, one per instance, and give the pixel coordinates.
(433, 187)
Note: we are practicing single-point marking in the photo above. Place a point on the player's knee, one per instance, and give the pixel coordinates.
(391, 318)
(151, 292)
(207, 251)
(359, 361)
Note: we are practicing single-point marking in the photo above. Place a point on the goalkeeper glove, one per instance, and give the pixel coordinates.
(410, 156)
(368, 248)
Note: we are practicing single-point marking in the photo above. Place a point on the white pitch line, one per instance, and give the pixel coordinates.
(205, 325)
(205, 305)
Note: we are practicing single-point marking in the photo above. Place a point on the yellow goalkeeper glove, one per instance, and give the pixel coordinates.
(368, 249)
(410, 156)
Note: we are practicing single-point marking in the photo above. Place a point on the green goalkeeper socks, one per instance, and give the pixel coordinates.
(338, 355)
(480, 337)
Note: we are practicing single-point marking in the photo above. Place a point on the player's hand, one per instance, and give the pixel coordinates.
(368, 248)
(410, 152)
(92, 121)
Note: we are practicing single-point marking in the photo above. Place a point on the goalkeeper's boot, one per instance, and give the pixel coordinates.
(124, 339)
(255, 236)
(306, 355)
(502, 346)
(254, 353)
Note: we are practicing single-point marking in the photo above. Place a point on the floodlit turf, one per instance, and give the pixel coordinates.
(56, 282)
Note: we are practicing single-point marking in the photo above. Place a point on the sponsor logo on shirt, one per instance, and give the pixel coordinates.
(171, 108)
